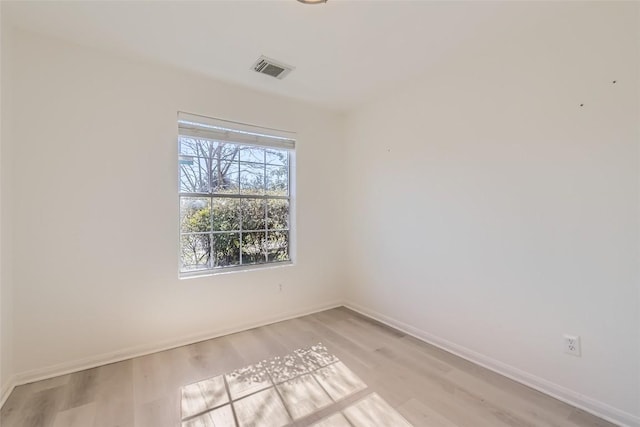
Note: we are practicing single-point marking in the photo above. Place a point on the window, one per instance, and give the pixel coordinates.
(235, 195)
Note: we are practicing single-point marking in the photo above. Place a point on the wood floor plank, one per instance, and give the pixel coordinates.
(420, 414)
(81, 389)
(114, 395)
(41, 408)
(199, 397)
(263, 409)
(336, 420)
(303, 396)
(162, 412)
(213, 357)
(361, 357)
(79, 416)
(374, 411)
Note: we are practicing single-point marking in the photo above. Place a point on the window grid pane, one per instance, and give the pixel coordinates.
(195, 251)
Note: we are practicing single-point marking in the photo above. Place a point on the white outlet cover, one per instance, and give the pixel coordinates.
(572, 345)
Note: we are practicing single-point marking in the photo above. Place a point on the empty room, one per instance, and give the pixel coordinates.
(328, 213)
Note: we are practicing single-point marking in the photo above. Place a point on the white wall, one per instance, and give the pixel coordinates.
(491, 213)
(2, 347)
(95, 208)
(6, 309)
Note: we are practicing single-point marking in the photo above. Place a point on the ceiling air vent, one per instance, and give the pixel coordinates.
(271, 68)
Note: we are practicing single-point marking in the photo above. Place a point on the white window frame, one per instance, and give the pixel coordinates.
(198, 126)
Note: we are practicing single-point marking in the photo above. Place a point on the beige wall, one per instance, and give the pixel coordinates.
(492, 214)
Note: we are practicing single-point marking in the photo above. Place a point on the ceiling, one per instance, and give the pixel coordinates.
(344, 52)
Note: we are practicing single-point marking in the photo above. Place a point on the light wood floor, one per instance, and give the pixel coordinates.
(425, 385)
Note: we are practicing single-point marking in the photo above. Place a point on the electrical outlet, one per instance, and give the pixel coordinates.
(279, 287)
(572, 345)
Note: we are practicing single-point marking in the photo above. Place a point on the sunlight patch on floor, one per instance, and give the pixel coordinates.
(283, 390)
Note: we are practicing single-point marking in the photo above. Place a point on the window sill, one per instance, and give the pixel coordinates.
(232, 270)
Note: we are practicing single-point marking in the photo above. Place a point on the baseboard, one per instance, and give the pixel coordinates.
(129, 353)
(559, 392)
(6, 390)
